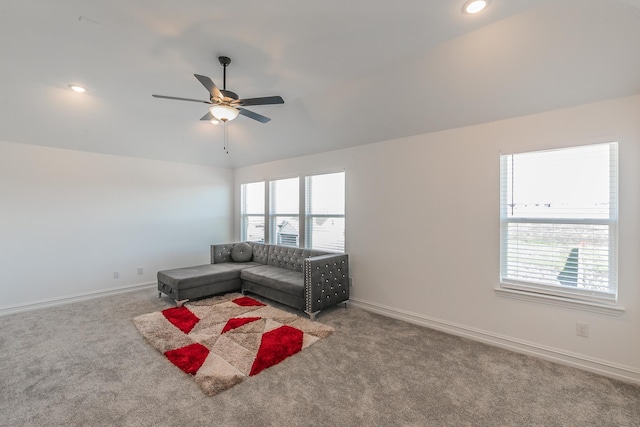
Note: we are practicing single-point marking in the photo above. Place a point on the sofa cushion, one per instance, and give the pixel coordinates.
(287, 281)
(199, 275)
(240, 265)
(241, 252)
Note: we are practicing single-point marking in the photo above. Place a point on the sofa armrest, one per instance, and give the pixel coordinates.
(326, 281)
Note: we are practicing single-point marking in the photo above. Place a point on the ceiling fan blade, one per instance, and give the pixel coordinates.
(181, 99)
(208, 83)
(208, 117)
(252, 115)
(265, 100)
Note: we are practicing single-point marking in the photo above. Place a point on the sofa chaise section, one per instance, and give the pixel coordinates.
(188, 283)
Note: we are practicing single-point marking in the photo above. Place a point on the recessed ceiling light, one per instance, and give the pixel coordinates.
(475, 6)
(77, 88)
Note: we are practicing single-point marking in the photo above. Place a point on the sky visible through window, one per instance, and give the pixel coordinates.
(560, 183)
(327, 193)
(254, 198)
(325, 209)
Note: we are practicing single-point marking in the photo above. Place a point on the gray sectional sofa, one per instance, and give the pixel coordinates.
(306, 279)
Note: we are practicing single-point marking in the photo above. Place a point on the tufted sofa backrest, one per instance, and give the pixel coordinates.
(279, 256)
(290, 258)
(221, 253)
(260, 252)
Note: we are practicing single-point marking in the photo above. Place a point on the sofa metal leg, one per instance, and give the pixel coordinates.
(345, 304)
(312, 316)
(159, 294)
(181, 302)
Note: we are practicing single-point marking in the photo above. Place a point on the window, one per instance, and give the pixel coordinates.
(284, 208)
(558, 215)
(316, 223)
(252, 212)
(324, 213)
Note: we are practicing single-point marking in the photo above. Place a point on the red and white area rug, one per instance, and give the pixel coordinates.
(222, 340)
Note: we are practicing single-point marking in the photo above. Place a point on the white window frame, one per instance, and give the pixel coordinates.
(562, 295)
(273, 214)
(245, 216)
(270, 215)
(310, 217)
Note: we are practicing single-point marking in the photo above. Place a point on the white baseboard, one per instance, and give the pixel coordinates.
(602, 367)
(52, 302)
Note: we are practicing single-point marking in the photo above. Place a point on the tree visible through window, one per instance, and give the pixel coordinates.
(558, 213)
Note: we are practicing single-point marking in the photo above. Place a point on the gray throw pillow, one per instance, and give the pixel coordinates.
(241, 252)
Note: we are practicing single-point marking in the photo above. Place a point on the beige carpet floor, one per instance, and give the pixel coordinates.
(85, 364)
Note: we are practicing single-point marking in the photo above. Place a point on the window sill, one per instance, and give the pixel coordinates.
(593, 307)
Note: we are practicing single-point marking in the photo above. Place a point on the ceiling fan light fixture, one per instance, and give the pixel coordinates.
(224, 113)
(214, 121)
(475, 6)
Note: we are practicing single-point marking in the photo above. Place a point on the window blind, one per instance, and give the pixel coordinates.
(558, 212)
(284, 217)
(325, 212)
(252, 211)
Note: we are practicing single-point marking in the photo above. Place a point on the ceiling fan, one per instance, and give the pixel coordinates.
(225, 105)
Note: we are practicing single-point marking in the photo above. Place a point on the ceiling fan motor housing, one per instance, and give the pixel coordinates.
(228, 94)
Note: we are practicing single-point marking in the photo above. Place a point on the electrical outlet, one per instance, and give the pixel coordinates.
(350, 282)
(140, 271)
(582, 329)
(116, 275)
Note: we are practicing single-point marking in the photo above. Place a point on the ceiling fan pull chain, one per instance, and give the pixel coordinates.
(226, 139)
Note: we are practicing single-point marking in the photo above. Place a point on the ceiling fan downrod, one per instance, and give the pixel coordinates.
(224, 61)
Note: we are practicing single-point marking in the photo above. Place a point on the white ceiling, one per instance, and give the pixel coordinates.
(351, 72)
